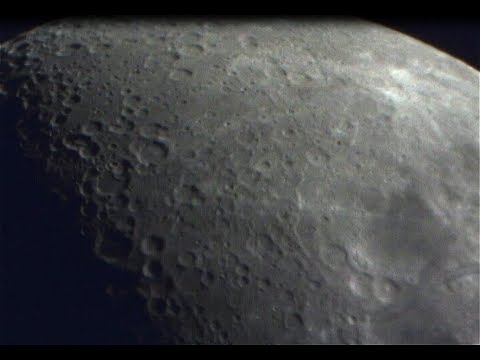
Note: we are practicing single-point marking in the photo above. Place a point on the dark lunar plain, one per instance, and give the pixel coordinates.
(53, 289)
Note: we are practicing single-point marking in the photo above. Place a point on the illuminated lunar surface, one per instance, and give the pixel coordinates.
(270, 182)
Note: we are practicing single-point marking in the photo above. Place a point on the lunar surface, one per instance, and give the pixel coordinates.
(269, 181)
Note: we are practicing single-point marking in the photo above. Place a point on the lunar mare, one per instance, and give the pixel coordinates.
(270, 182)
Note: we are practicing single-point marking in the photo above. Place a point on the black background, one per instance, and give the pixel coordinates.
(52, 288)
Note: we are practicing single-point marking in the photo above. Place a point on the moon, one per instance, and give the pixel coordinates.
(269, 181)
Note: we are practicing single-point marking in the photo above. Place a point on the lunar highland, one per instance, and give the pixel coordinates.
(270, 181)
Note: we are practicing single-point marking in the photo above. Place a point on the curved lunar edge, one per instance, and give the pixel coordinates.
(269, 181)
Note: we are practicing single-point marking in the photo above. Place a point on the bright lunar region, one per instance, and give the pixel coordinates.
(265, 181)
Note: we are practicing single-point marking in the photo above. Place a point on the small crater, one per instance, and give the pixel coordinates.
(175, 56)
(128, 110)
(154, 152)
(89, 210)
(294, 321)
(207, 279)
(153, 245)
(466, 283)
(289, 132)
(385, 289)
(361, 285)
(114, 246)
(242, 270)
(91, 128)
(192, 50)
(136, 98)
(181, 74)
(107, 183)
(263, 166)
(173, 307)
(318, 158)
(82, 144)
(153, 269)
(248, 41)
(244, 281)
(187, 259)
(59, 120)
(189, 195)
(264, 247)
(334, 256)
(76, 46)
(264, 284)
(76, 98)
(215, 325)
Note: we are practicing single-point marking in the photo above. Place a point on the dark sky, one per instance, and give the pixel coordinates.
(460, 38)
(52, 288)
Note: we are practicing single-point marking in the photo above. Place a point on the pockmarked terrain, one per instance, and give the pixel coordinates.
(269, 181)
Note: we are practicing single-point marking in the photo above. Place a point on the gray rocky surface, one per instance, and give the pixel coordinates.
(270, 181)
